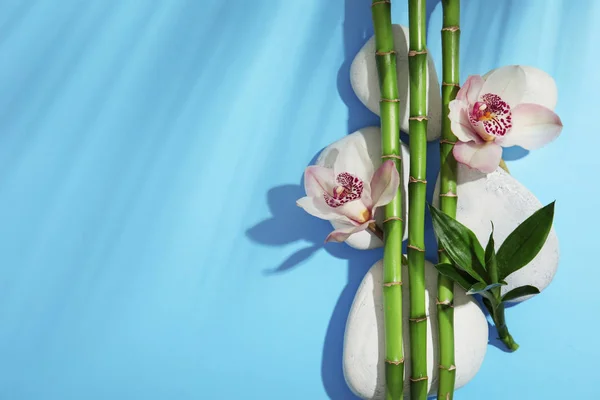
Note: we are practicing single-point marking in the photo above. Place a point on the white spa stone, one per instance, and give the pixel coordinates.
(540, 87)
(364, 348)
(368, 138)
(364, 81)
(500, 198)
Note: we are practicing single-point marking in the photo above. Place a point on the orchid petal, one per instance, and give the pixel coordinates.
(540, 87)
(482, 156)
(341, 234)
(354, 159)
(366, 196)
(533, 127)
(384, 184)
(471, 90)
(459, 122)
(318, 180)
(317, 207)
(507, 82)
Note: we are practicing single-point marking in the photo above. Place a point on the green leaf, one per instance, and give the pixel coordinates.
(525, 242)
(490, 258)
(490, 302)
(520, 291)
(481, 287)
(460, 244)
(458, 276)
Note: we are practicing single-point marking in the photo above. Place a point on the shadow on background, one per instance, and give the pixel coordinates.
(514, 153)
(275, 232)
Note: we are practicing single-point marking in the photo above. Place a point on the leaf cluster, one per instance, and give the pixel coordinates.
(483, 272)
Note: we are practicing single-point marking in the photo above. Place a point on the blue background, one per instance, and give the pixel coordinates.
(150, 156)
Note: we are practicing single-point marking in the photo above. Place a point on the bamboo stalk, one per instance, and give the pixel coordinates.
(448, 194)
(417, 62)
(393, 225)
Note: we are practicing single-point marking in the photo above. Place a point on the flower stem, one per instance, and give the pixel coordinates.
(377, 231)
(393, 227)
(503, 333)
(417, 64)
(448, 194)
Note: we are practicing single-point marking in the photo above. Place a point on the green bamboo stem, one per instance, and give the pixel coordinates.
(417, 63)
(448, 194)
(393, 225)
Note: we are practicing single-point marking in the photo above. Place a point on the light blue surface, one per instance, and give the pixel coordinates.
(150, 156)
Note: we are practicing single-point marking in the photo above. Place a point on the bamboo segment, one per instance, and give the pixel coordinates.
(393, 225)
(417, 186)
(448, 194)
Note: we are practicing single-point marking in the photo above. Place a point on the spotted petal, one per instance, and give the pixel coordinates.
(384, 184)
(492, 117)
(482, 156)
(533, 127)
(470, 91)
(318, 180)
(341, 234)
(459, 122)
(507, 82)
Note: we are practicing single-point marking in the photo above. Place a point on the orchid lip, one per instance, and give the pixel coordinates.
(350, 188)
(491, 117)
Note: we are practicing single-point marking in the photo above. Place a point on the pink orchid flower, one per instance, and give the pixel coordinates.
(346, 198)
(488, 115)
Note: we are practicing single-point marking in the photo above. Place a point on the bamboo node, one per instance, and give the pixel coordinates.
(389, 284)
(410, 246)
(400, 361)
(384, 100)
(392, 219)
(446, 303)
(420, 319)
(445, 141)
(413, 53)
(449, 194)
(450, 368)
(423, 378)
(451, 28)
(385, 53)
(450, 84)
(419, 118)
(392, 156)
(415, 180)
(381, 2)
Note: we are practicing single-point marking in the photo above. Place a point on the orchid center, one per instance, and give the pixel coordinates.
(349, 189)
(491, 117)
